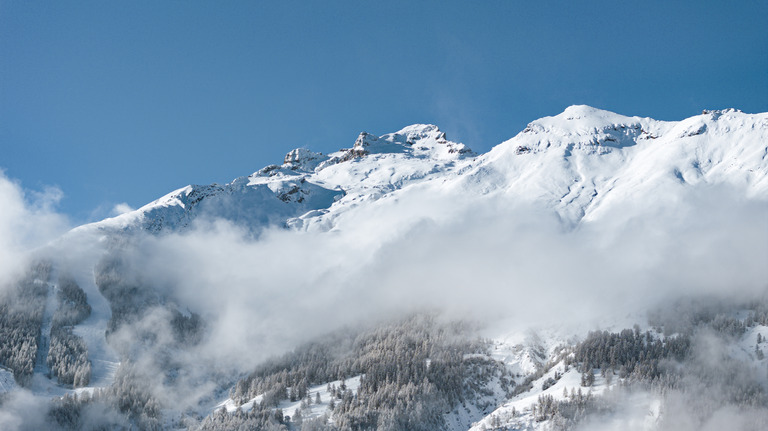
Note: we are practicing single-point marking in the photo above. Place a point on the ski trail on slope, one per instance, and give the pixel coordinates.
(104, 360)
(44, 344)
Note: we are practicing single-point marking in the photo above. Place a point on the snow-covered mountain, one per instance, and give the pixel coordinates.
(580, 163)
(307, 184)
(337, 239)
(585, 160)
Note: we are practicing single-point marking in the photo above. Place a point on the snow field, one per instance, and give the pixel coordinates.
(289, 408)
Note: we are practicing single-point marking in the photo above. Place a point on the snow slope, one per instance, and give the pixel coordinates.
(310, 411)
(7, 383)
(581, 163)
(306, 185)
(585, 161)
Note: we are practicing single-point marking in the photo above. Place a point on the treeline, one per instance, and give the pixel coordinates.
(629, 353)
(128, 297)
(68, 353)
(73, 305)
(258, 419)
(413, 373)
(22, 311)
(688, 361)
(21, 314)
(569, 411)
(685, 316)
(145, 330)
(132, 300)
(127, 404)
(758, 313)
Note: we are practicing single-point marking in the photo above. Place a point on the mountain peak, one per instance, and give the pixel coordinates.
(420, 130)
(581, 111)
(588, 114)
(582, 120)
(303, 159)
(580, 140)
(417, 140)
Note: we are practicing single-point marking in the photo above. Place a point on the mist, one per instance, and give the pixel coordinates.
(482, 259)
(28, 220)
(21, 411)
(716, 389)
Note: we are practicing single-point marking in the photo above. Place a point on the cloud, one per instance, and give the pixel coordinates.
(28, 220)
(484, 259)
(21, 410)
(121, 208)
(716, 388)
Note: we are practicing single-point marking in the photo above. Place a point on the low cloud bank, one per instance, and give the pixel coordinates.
(486, 259)
(482, 258)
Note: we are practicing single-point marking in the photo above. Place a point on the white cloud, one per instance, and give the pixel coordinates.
(121, 208)
(27, 220)
(21, 411)
(484, 260)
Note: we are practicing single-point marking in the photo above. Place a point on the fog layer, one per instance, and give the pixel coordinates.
(482, 259)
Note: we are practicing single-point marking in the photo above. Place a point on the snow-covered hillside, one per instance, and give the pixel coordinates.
(585, 161)
(307, 184)
(187, 294)
(581, 163)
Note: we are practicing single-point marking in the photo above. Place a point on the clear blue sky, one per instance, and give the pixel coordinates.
(124, 101)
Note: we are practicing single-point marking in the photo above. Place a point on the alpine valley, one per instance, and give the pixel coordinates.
(596, 271)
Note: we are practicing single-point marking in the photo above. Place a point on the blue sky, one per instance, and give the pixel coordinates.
(116, 101)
